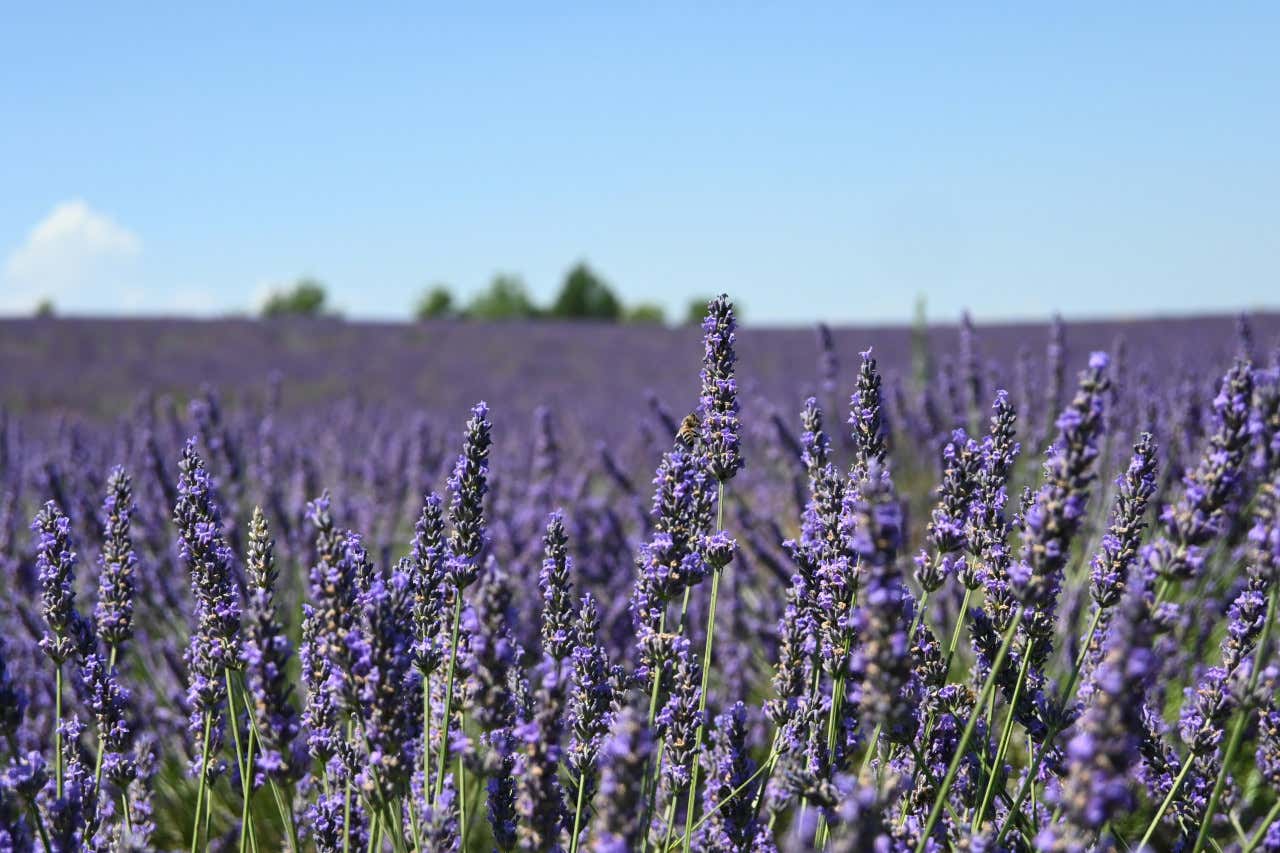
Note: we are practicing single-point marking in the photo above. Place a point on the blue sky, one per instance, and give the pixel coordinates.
(815, 162)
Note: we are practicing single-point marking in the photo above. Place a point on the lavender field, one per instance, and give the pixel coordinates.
(290, 585)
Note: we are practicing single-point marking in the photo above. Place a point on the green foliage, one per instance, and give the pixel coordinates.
(646, 312)
(44, 308)
(506, 299)
(435, 303)
(697, 310)
(305, 299)
(584, 295)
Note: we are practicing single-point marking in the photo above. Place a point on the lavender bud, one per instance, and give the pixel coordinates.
(468, 485)
(118, 563)
(719, 401)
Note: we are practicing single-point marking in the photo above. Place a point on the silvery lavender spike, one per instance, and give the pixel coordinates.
(215, 643)
(1191, 523)
(890, 692)
(468, 485)
(1119, 550)
(1050, 523)
(1099, 785)
(555, 581)
(267, 654)
(66, 634)
(327, 617)
(118, 562)
(867, 417)
(718, 404)
(380, 687)
(428, 576)
(986, 528)
(677, 723)
(945, 536)
(730, 825)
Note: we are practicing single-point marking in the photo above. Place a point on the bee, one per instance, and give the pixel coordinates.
(690, 430)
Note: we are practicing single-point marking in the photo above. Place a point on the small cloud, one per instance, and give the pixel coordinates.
(76, 256)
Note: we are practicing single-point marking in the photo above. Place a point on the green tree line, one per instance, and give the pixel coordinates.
(583, 295)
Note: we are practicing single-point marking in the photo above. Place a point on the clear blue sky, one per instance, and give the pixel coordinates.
(816, 162)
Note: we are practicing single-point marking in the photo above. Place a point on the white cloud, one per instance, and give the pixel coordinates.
(76, 256)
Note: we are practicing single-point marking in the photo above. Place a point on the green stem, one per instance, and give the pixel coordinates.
(57, 730)
(39, 822)
(204, 761)
(283, 805)
(954, 767)
(448, 699)
(1005, 737)
(649, 786)
(1262, 829)
(1028, 783)
(1237, 733)
(955, 634)
(426, 733)
(577, 812)
(124, 813)
(1173, 792)
(244, 761)
(462, 803)
(706, 673)
(97, 762)
(704, 818)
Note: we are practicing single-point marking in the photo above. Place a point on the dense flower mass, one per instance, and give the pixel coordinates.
(987, 609)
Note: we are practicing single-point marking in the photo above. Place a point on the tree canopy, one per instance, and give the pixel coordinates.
(306, 298)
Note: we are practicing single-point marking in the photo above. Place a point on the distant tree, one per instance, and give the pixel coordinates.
(584, 295)
(436, 302)
(505, 299)
(697, 310)
(646, 312)
(921, 357)
(44, 308)
(305, 299)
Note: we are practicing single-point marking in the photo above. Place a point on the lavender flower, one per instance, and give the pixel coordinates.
(118, 563)
(719, 401)
(468, 485)
(866, 416)
(890, 693)
(730, 825)
(986, 529)
(492, 652)
(557, 591)
(946, 536)
(618, 826)
(1099, 785)
(815, 443)
(678, 721)
(1050, 523)
(1191, 523)
(428, 574)
(1128, 521)
(591, 700)
(266, 654)
(214, 646)
(327, 618)
(65, 633)
(107, 701)
(380, 686)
